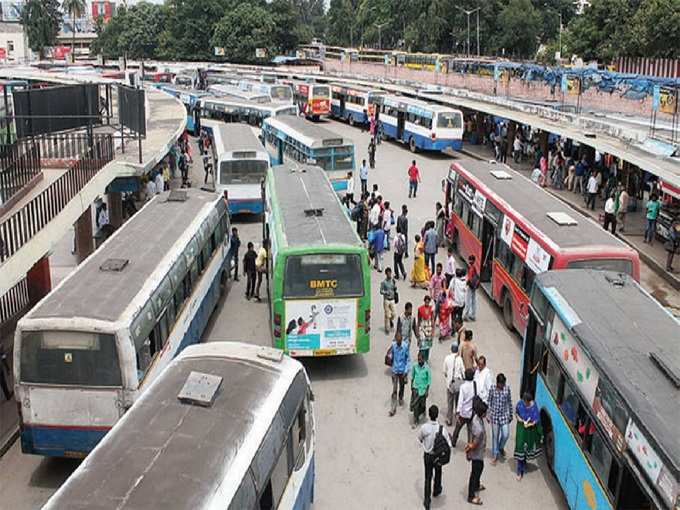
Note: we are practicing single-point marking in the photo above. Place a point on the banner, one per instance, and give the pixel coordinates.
(668, 100)
(537, 259)
(321, 324)
(573, 86)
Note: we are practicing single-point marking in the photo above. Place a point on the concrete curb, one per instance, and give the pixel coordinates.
(8, 440)
(656, 267)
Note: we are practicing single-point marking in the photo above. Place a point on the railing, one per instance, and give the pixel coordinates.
(14, 302)
(66, 146)
(19, 228)
(19, 164)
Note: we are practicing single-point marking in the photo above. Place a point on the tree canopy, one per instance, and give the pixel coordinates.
(41, 19)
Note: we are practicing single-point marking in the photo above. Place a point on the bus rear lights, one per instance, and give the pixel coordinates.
(433, 136)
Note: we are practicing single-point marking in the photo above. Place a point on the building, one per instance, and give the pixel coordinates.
(13, 44)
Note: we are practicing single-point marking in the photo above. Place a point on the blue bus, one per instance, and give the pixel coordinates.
(602, 358)
(191, 99)
(352, 103)
(289, 137)
(421, 125)
(229, 109)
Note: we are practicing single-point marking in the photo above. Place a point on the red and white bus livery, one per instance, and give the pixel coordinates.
(515, 229)
(313, 99)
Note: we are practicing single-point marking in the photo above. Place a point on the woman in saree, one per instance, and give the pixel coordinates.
(419, 274)
(529, 433)
(440, 216)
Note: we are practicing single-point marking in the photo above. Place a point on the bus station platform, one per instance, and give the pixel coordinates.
(653, 255)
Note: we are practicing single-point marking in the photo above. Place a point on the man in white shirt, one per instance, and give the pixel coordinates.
(454, 373)
(363, 176)
(483, 379)
(387, 224)
(374, 215)
(103, 218)
(592, 187)
(610, 214)
(464, 407)
(426, 436)
(159, 182)
(150, 189)
(450, 267)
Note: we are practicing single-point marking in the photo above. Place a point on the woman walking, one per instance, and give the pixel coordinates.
(419, 273)
(440, 216)
(529, 433)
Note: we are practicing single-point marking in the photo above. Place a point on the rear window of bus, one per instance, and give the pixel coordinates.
(616, 265)
(323, 275)
(449, 120)
(321, 91)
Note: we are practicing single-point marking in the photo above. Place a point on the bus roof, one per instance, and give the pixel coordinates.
(236, 137)
(165, 453)
(532, 203)
(300, 188)
(409, 101)
(313, 135)
(144, 240)
(620, 327)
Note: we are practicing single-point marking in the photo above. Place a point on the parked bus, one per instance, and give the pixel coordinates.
(191, 99)
(313, 99)
(235, 109)
(515, 229)
(422, 125)
(320, 288)
(352, 103)
(227, 425)
(602, 358)
(278, 92)
(84, 353)
(240, 163)
(234, 91)
(293, 138)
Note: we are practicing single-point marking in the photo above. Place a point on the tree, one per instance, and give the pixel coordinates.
(41, 19)
(655, 30)
(75, 8)
(140, 35)
(107, 43)
(519, 26)
(288, 31)
(241, 31)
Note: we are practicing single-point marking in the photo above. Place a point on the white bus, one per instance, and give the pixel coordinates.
(84, 353)
(422, 125)
(352, 103)
(241, 164)
(236, 109)
(226, 426)
(278, 92)
(235, 91)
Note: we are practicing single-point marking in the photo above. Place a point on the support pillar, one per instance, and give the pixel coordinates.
(39, 280)
(543, 143)
(115, 200)
(83, 233)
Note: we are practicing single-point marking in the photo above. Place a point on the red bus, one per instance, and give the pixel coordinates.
(313, 99)
(515, 229)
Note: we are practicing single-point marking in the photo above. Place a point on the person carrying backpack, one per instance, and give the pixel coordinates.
(436, 444)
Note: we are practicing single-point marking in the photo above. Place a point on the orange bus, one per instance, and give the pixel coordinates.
(313, 99)
(515, 229)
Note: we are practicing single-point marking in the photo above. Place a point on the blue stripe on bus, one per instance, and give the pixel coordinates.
(571, 468)
(59, 442)
(253, 206)
(358, 117)
(305, 496)
(424, 142)
(202, 315)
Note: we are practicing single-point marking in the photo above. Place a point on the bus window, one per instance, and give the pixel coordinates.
(612, 404)
(245, 171)
(458, 205)
(603, 462)
(552, 373)
(69, 357)
(517, 268)
(616, 265)
(476, 225)
(323, 274)
(277, 481)
(528, 277)
(570, 405)
(298, 435)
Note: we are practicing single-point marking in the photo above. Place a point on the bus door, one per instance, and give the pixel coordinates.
(488, 240)
(343, 102)
(279, 151)
(401, 122)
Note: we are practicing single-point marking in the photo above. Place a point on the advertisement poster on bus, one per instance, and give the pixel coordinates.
(577, 364)
(479, 203)
(321, 324)
(518, 240)
(537, 259)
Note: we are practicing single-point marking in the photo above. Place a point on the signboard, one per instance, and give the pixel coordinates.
(537, 259)
(520, 242)
(61, 51)
(576, 363)
(3, 53)
(260, 52)
(219, 52)
(615, 435)
(668, 100)
(321, 324)
(478, 203)
(573, 86)
(651, 463)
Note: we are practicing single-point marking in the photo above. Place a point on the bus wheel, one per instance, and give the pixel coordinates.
(507, 311)
(548, 440)
(350, 120)
(412, 145)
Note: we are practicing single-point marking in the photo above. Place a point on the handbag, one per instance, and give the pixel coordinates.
(396, 296)
(389, 356)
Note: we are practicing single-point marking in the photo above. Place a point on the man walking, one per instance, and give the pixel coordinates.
(426, 437)
(470, 310)
(468, 351)
(431, 240)
(363, 177)
(402, 227)
(378, 245)
(483, 379)
(610, 214)
(450, 268)
(425, 327)
(261, 266)
(413, 179)
(250, 270)
(371, 153)
(399, 252)
(653, 207)
(232, 254)
(474, 451)
(406, 324)
(454, 374)
(464, 407)
(388, 290)
(500, 416)
(421, 378)
(592, 188)
(400, 366)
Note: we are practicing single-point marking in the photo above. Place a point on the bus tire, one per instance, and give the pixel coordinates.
(412, 145)
(350, 120)
(507, 310)
(548, 440)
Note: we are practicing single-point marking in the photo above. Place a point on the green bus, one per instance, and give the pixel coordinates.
(320, 286)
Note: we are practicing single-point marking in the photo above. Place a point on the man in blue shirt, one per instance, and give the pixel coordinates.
(400, 365)
(580, 173)
(431, 244)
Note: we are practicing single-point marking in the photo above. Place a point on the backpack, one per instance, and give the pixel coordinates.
(441, 450)
(478, 405)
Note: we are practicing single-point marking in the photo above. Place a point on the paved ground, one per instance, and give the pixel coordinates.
(364, 458)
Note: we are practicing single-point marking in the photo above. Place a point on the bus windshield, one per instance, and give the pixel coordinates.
(449, 120)
(69, 357)
(242, 171)
(323, 275)
(321, 91)
(282, 92)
